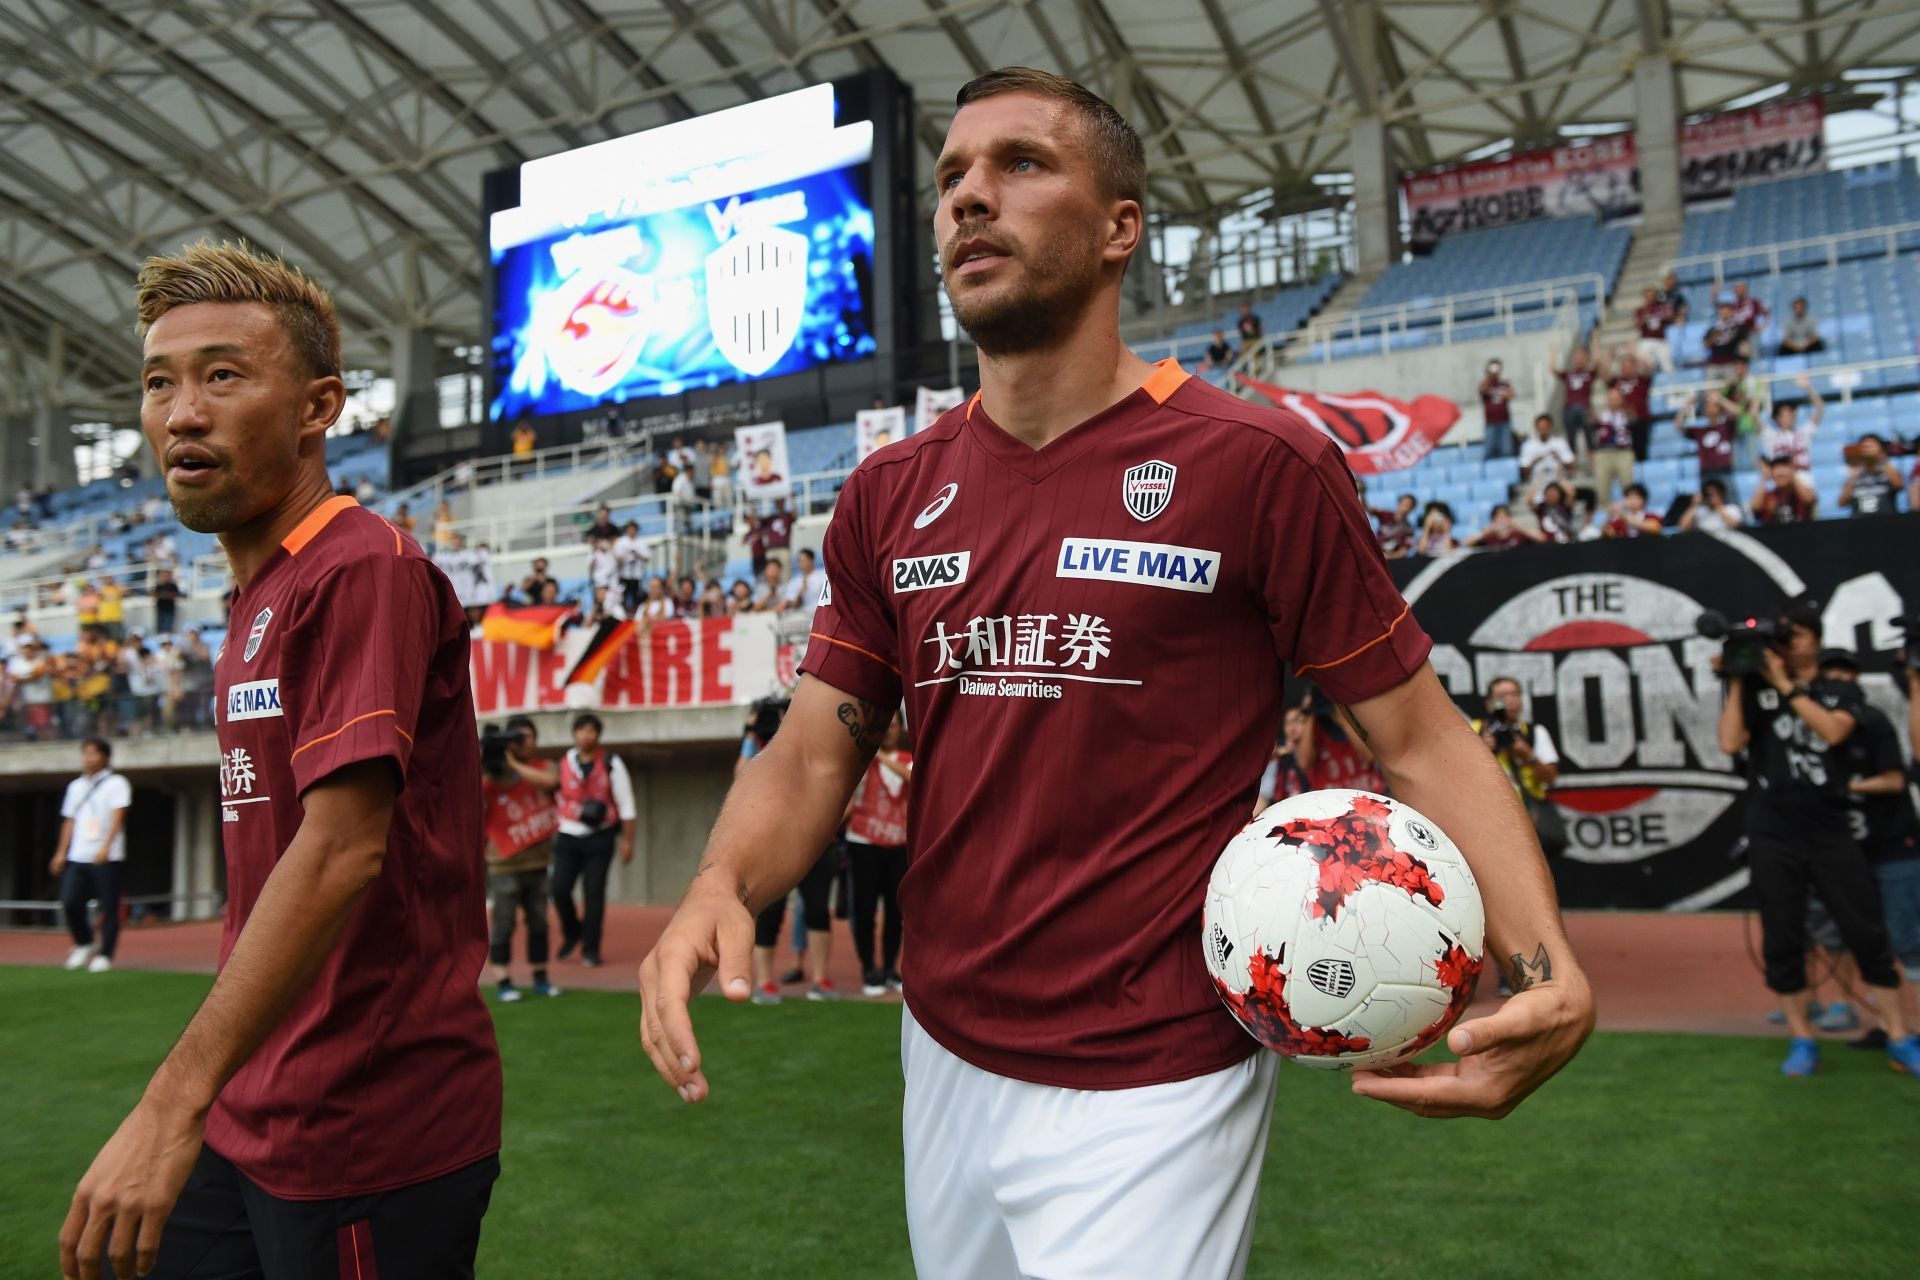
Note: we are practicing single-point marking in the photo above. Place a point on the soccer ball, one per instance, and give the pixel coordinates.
(1343, 930)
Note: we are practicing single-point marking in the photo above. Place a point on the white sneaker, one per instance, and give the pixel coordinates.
(78, 957)
(100, 964)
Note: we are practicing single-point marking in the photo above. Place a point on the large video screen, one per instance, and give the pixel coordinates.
(729, 247)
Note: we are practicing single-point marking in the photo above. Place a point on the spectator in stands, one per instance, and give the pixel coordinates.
(758, 535)
(533, 586)
(1800, 336)
(1218, 354)
(523, 439)
(1634, 380)
(402, 519)
(740, 597)
(713, 600)
(1554, 510)
(1748, 311)
(1577, 380)
(95, 663)
(685, 497)
(171, 664)
(550, 593)
(1546, 456)
(721, 466)
(657, 606)
(443, 534)
(1712, 435)
(1249, 326)
(23, 498)
(1436, 531)
(113, 609)
(1612, 458)
(1652, 320)
(92, 849)
(1629, 518)
(603, 567)
(1496, 402)
(1396, 527)
(1873, 483)
(30, 670)
(604, 605)
(1672, 299)
(602, 526)
(86, 604)
(366, 491)
(1709, 509)
(1725, 339)
(803, 591)
(1750, 398)
(769, 594)
(1788, 497)
(1328, 755)
(596, 807)
(146, 680)
(779, 527)
(1502, 533)
(196, 681)
(686, 597)
(1283, 777)
(1789, 435)
(630, 566)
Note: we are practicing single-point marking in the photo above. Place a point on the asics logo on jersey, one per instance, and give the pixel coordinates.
(920, 573)
(937, 507)
(1149, 564)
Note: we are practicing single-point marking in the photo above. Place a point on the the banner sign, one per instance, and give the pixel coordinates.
(764, 473)
(681, 662)
(1379, 433)
(1601, 638)
(875, 429)
(929, 404)
(1600, 177)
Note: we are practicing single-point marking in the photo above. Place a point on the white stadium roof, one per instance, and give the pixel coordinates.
(352, 134)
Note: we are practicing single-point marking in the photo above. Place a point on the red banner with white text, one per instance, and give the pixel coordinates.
(1378, 433)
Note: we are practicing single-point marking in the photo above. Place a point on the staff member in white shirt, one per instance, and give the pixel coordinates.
(630, 563)
(93, 844)
(596, 806)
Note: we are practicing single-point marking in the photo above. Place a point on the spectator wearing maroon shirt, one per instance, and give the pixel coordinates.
(1249, 326)
(1671, 297)
(1725, 339)
(1634, 381)
(1748, 311)
(1713, 436)
(1496, 401)
(1612, 446)
(1049, 952)
(1653, 319)
(1502, 533)
(1789, 497)
(1629, 517)
(1577, 379)
(1396, 527)
(333, 1108)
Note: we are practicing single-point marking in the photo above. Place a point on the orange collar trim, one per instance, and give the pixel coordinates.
(1165, 379)
(316, 520)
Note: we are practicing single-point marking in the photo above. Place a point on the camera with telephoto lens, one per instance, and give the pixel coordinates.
(1500, 720)
(1743, 643)
(493, 749)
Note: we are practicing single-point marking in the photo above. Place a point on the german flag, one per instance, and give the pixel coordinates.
(606, 642)
(536, 626)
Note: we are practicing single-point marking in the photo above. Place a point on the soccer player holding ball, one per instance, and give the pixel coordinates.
(333, 1108)
(1087, 582)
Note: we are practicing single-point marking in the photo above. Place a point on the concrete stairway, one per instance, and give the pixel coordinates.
(1651, 252)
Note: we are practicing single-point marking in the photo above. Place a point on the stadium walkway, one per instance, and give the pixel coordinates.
(1651, 972)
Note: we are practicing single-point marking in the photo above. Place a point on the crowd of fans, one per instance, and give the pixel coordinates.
(1577, 478)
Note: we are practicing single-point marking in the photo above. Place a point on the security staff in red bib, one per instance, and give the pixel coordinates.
(596, 809)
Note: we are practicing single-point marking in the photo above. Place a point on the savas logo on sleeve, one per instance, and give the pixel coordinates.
(920, 573)
(254, 700)
(1150, 564)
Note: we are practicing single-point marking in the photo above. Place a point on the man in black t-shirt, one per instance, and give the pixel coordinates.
(1219, 354)
(1794, 727)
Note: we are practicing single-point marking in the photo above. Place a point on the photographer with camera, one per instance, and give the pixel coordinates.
(1329, 755)
(519, 818)
(1527, 756)
(596, 807)
(1792, 724)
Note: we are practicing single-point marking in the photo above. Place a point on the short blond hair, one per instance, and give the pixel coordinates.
(227, 272)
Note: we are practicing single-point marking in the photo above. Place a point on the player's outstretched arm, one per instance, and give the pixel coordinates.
(127, 1194)
(782, 809)
(1433, 761)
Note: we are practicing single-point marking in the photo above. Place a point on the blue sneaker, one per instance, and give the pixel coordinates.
(545, 989)
(1905, 1055)
(1838, 1017)
(1803, 1057)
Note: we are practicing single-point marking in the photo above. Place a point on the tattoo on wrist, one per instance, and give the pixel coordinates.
(1531, 973)
(739, 890)
(1353, 722)
(866, 724)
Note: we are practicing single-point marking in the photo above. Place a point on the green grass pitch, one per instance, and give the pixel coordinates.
(1651, 1155)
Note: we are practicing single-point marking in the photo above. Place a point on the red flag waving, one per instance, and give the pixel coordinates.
(1378, 432)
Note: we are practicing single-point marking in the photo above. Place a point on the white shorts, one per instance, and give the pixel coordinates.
(1008, 1180)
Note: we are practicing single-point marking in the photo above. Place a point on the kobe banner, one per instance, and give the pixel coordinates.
(1601, 637)
(1601, 177)
(1379, 433)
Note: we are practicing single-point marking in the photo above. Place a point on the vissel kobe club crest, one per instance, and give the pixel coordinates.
(256, 633)
(757, 296)
(1147, 488)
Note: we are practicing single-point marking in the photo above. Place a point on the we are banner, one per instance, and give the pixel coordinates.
(679, 662)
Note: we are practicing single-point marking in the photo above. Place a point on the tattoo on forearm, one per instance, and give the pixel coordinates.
(866, 724)
(1346, 713)
(739, 890)
(1529, 973)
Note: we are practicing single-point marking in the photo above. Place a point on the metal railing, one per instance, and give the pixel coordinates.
(501, 468)
(179, 907)
(1478, 308)
(55, 590)
(1840, 378)
(1886, 238)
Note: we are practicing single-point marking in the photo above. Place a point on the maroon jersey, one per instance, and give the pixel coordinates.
(1713, 437)
(1495, 400)
(1613, 429)
(1579, 385)
(1091, 639)
(1637, 391)
(349, 645)
(1652, 320)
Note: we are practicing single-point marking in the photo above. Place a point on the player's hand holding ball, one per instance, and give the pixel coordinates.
(711, 932)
